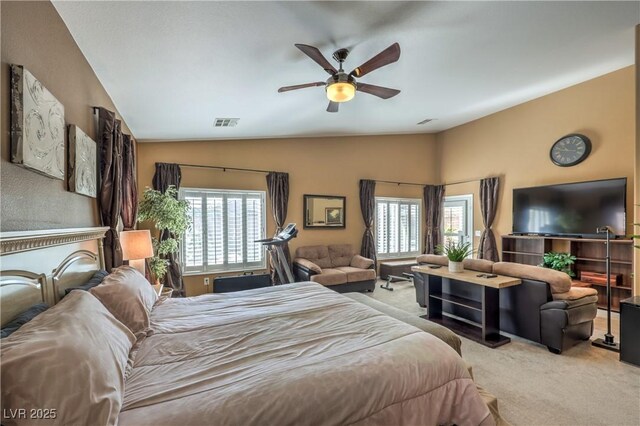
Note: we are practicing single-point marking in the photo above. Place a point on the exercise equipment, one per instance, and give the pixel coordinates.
(406, 277)
(274, 247)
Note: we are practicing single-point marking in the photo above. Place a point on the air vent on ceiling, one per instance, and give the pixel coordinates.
(425, 121)
(226, 122)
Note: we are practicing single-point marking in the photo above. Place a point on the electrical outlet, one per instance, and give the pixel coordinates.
(478, 233)
(206, 281)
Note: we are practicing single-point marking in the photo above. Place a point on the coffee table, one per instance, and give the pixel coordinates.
(465, 303)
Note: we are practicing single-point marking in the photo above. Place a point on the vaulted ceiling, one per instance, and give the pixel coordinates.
(171, 68)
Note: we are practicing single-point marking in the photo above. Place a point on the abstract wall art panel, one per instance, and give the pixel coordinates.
(82, 162)
(37, 125)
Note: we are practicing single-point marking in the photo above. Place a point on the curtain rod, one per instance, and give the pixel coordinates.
(400, 183)
(224, 169)
(469, 180)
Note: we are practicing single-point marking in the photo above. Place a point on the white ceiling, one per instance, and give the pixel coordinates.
(172, 67)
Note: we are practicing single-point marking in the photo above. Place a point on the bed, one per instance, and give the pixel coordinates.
(290, 354)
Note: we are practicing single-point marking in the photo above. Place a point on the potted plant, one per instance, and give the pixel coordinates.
(170, 218)
(456, 252)
(559, 261)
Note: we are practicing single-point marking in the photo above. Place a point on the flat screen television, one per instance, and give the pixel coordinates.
(571, 209)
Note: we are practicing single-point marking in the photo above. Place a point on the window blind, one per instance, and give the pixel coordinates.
(397, 227)
(225, 226)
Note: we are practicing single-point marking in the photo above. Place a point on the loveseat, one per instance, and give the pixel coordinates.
(545, 308)
(336, 266)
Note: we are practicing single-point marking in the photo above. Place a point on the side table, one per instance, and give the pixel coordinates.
(630, 331)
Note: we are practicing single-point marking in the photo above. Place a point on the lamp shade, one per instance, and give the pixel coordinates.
(136, 244)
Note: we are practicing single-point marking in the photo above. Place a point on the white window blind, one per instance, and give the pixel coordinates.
(397, 227)
(457, 219)
(225, 226)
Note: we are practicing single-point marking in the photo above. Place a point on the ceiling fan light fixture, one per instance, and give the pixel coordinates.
(341, 91)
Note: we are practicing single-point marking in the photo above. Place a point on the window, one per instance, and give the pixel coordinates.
(458, 218)
(397, 227)
(225, 225)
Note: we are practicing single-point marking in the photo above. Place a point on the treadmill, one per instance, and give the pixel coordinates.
(274, 247)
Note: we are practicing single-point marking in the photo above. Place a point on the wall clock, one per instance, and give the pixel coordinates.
(570, 150)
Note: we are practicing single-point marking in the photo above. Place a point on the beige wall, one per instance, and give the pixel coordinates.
(321, 166)
(34, 35)
(514, 144)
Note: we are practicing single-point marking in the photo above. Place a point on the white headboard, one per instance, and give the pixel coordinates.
(20, 290)
(48, 261)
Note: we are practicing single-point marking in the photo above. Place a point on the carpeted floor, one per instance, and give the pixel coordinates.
(584, 385)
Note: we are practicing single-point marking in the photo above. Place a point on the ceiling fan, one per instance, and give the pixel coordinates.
(342, 87)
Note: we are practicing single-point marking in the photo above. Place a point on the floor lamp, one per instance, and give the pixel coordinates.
(609, 341)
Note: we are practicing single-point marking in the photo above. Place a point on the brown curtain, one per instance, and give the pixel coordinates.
(433, 207)
(129, 183)
(110, 197)
(487, 248)
(368, 207)
(278, 187)
(165, 176)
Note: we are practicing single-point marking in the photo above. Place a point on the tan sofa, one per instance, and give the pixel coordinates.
(336, 266)
(545, 308)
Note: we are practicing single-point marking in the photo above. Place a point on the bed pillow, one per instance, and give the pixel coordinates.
(68, 362)
(128, 295)
(95, 280)
(13, 325)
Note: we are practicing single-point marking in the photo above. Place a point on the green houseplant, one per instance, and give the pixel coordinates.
(559, 261)
(170, 217)
(456, 252)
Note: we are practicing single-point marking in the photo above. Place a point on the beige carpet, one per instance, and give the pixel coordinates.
(584, 385)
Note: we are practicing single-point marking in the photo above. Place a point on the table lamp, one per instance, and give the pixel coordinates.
(136, 247)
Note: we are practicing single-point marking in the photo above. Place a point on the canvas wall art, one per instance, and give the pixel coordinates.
(37, 125)
(82, 162)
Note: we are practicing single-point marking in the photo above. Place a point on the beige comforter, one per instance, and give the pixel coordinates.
(293, 354)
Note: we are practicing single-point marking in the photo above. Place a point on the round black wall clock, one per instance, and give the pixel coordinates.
(570, 150)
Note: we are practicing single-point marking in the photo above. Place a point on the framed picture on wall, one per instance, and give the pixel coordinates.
(37, 125)
(333, 216)
(82, 163)
(324, 211)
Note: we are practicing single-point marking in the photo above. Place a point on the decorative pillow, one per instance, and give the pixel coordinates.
(13, 325)
(361, 262)
(69, 362)
(95, 280)
(129, 297)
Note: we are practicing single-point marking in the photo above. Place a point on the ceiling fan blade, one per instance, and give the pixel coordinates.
(379, 91)
(333, 106)
(300, 86)
(315, 54)
(386, 57)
